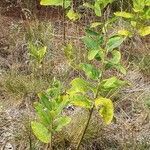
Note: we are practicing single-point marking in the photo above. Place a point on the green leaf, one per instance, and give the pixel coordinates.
(41, 132)
(105, 108)
(43, 114)
(124, 14)
(147, 2)
(112, 83)
(61, 122)
(97, 9)
(92, 54)
(144, 31)
(90, 43)
(88, 5)
(90, 71)
(80, 100)
(96, 24)
(114, 42)
(120, 68)
(72, 15)
(116, 57)
(91, 32)
(55, 3)
(133, 23)
(138, 5)
(41, 53)
(124, 32)
(33, 50)
(45, 100)
(80, 86)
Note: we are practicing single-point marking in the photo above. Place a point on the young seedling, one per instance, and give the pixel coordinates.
(93, 91)
(49, 114)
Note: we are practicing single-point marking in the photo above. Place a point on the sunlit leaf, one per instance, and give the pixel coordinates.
(124, 14)
(90, 71)
(114, 42)
(55, 2)
(88, 5)
(96, 24)
(116, 57)
(112, 83)
(43, 114)
(42, 52)
(90, 43)
(133, 23)
(144, 31)
(44, 100)
(138, 5)
(73, 15)
(97, 8)
(80, 86)
(121, 68)
(41, 132)
(61, 122)
(124, 32)
(92, 53)
(81, 101)
(147, 2)
(105, 108)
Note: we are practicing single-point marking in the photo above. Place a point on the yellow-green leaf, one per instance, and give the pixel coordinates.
(41, 132)
(55, 3)
(114, 42)
(105, 109)
(124, 14)
(61, 122)
(95, 24)
(133, 23)
(80, 86)
(81, 101)
(144, 31)
(124, 32)
(73, 15)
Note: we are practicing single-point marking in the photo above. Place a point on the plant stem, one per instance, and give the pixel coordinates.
(89, 117)
(86, 126)
(64, 24)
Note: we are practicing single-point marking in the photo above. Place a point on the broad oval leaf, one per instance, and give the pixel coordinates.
(80, 86)
(92, 53)
(97, 9)
(138, 5)
(81, 101)
(72, 15)
(90, 43)
(124, 14)
(116, 57)
(105, 109)
(121, 68)
(114, 42)
(90, 71)
(144, 31)
(124, 32)
(41, 132)
(43, 114)
(45, 100)
(112, 83)
(55, 3)
(61, 122)
(96, 24)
